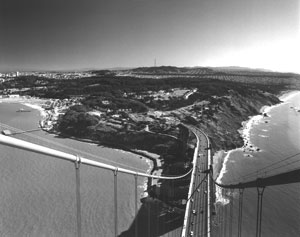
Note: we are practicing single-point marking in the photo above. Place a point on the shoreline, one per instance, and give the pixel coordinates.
(245, 134)
(151, 159)
(47, 116)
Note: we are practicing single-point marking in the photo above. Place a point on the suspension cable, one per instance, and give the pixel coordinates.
(231, 211)
(254, 173)
(276, 168)
(78, 201)
(225, 214)
(116, 200)
(67, 147)
(17, 143)
(221, 216)
(136, 203)
(240, 216)
(260, 192)
(281, 178)
(195, 189)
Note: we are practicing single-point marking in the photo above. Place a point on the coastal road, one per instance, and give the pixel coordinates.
(197, 223)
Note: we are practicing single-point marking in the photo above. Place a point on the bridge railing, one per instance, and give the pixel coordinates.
(188, 204)
(78, 161)
(209, 204)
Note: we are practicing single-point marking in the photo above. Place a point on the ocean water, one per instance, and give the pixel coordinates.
(278, 138)
(37, 195)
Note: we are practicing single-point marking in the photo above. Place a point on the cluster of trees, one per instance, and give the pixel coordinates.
(77, 121)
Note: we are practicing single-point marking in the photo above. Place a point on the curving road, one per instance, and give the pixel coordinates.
(199, 213)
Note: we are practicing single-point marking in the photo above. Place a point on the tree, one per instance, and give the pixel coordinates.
(76, 123)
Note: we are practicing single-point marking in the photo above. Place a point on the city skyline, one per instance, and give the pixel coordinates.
(77, 35)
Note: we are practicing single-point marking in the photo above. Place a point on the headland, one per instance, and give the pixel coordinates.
(142, 110)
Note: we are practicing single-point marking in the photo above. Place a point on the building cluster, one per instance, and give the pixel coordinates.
(53, 109)
(50, 75)
(153, 119)
(65, 75)
(161, 94)
(9, 75)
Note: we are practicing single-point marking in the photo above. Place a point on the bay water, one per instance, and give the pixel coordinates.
(38, 196)
(273, 148)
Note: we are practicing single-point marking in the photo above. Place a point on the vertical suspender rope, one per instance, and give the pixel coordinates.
(162, 193)
(207, 223)
(219, 211)
(260, 214)
(231, 212)
(220, 214)
(149, 223)
(78, 201)
(260, 192)
(240, 218)
(257, 211)
(148, 213)
(163, 216)
(116, 200)
(135, 204)
(202, 205)
(225, 214)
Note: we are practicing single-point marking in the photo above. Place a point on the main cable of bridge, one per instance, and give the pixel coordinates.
(24, 145)
(267, 169)
(58, 144)
(282, 178)
(78, 161)
(260, 183)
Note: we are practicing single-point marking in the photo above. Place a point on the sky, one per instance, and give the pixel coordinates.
(96, 34)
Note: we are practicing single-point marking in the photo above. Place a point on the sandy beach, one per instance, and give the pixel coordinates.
(49, 116)
(32, 102)
(247, 125)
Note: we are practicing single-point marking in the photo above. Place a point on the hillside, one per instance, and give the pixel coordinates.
(117, 103)
(144, 108)
(236, 74)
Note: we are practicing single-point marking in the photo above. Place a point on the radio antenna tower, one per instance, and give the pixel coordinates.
(155, 62)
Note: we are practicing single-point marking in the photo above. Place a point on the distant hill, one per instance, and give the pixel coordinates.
(235, 74)
(171, 70)
(237, 68)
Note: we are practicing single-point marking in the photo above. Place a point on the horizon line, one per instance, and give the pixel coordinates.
(133, 67)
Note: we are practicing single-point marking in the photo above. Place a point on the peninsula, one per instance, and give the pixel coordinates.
(143, 109)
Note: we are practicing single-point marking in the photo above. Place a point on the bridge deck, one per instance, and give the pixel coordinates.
(198, 218)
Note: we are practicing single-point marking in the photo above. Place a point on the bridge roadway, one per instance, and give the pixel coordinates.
(199, 212)
(197, 223)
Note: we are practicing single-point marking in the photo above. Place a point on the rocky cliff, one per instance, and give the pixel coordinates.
(223, 125)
